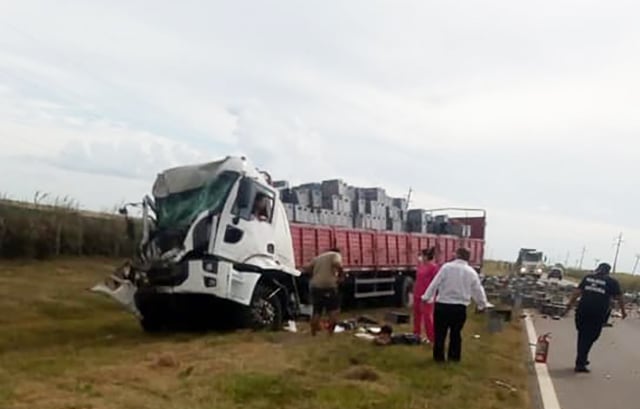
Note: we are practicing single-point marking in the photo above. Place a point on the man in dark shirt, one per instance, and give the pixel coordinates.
(595, 292)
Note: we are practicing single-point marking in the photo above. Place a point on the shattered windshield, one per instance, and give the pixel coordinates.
(179, 209)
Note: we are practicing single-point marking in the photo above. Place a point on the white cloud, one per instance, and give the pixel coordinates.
(529, 111)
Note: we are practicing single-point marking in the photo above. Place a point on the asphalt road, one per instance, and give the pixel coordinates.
(614, 382)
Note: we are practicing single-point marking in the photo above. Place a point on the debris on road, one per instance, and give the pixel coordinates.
(528, 292)
(395, 317)
(291, 326)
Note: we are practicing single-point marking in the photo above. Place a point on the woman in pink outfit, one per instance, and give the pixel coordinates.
(423, 311)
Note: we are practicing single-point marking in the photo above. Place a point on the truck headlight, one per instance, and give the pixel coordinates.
(523, 270)
(539, 270)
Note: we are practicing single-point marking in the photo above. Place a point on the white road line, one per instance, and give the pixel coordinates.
(547, 391)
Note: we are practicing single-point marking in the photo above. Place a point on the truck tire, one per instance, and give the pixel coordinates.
(151, 325)
(265, 310)
(404, 292)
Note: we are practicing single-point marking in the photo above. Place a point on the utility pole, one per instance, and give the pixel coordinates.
(566, 260)
(618, 242)
(635, 265)
(584, 250)
(408, 199)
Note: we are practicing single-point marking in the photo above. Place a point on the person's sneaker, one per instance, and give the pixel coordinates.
(582, 369)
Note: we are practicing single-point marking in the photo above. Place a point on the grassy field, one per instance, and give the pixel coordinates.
(628, 282)
(62, 347)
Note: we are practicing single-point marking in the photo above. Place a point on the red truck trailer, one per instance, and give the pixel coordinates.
(383, 263)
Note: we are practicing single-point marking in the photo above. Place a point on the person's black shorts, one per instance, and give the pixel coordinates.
(325, 299)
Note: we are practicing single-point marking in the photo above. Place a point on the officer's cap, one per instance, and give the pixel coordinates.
(603, 268)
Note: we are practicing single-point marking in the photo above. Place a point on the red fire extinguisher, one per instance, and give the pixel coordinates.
(542, 348)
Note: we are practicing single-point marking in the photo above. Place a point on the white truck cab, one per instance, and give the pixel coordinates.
(215, 243)
(530, 262)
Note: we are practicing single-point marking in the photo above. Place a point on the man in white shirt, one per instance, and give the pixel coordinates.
(455, 285)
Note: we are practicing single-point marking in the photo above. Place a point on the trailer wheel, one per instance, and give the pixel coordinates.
(265, 310)
(404, 292)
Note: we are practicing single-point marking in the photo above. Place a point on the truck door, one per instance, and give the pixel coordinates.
(246, 229)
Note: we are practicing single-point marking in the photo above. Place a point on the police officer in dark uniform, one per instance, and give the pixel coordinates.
(595, 292)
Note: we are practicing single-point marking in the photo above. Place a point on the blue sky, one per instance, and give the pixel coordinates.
(529, 111)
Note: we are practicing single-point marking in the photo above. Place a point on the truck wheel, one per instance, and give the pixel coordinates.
(404, 292)
(265, 311)
(151, 325)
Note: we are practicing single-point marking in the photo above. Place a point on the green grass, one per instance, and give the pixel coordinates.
(62, 347)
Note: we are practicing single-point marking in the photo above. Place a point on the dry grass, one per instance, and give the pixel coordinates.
(495, 267)
(45, 229)
(62, 348)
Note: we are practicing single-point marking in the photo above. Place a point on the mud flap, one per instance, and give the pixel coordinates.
(120, 289)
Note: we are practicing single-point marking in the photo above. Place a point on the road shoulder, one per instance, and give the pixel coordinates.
(546, 390)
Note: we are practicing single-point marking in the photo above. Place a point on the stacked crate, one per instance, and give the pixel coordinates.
(441, 225)
(334, 203)
(400, 203)
(419, 221)
(337, 199)
(302, 196)
(289, 209)
(281, 184)
(375, 201)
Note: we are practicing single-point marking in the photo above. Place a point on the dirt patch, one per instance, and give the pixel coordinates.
(362, 373)
(166, 360)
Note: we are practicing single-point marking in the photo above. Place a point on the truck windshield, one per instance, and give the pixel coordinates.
(180, 209)
(532, 257)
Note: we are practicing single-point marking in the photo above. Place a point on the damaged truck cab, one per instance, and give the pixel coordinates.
(215, 242)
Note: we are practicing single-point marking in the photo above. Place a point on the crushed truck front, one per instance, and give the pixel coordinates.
(216, 239)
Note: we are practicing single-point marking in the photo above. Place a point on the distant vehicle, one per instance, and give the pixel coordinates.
(530, 262)
(555, 273)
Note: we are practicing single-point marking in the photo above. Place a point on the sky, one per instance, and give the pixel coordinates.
(529, 110)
